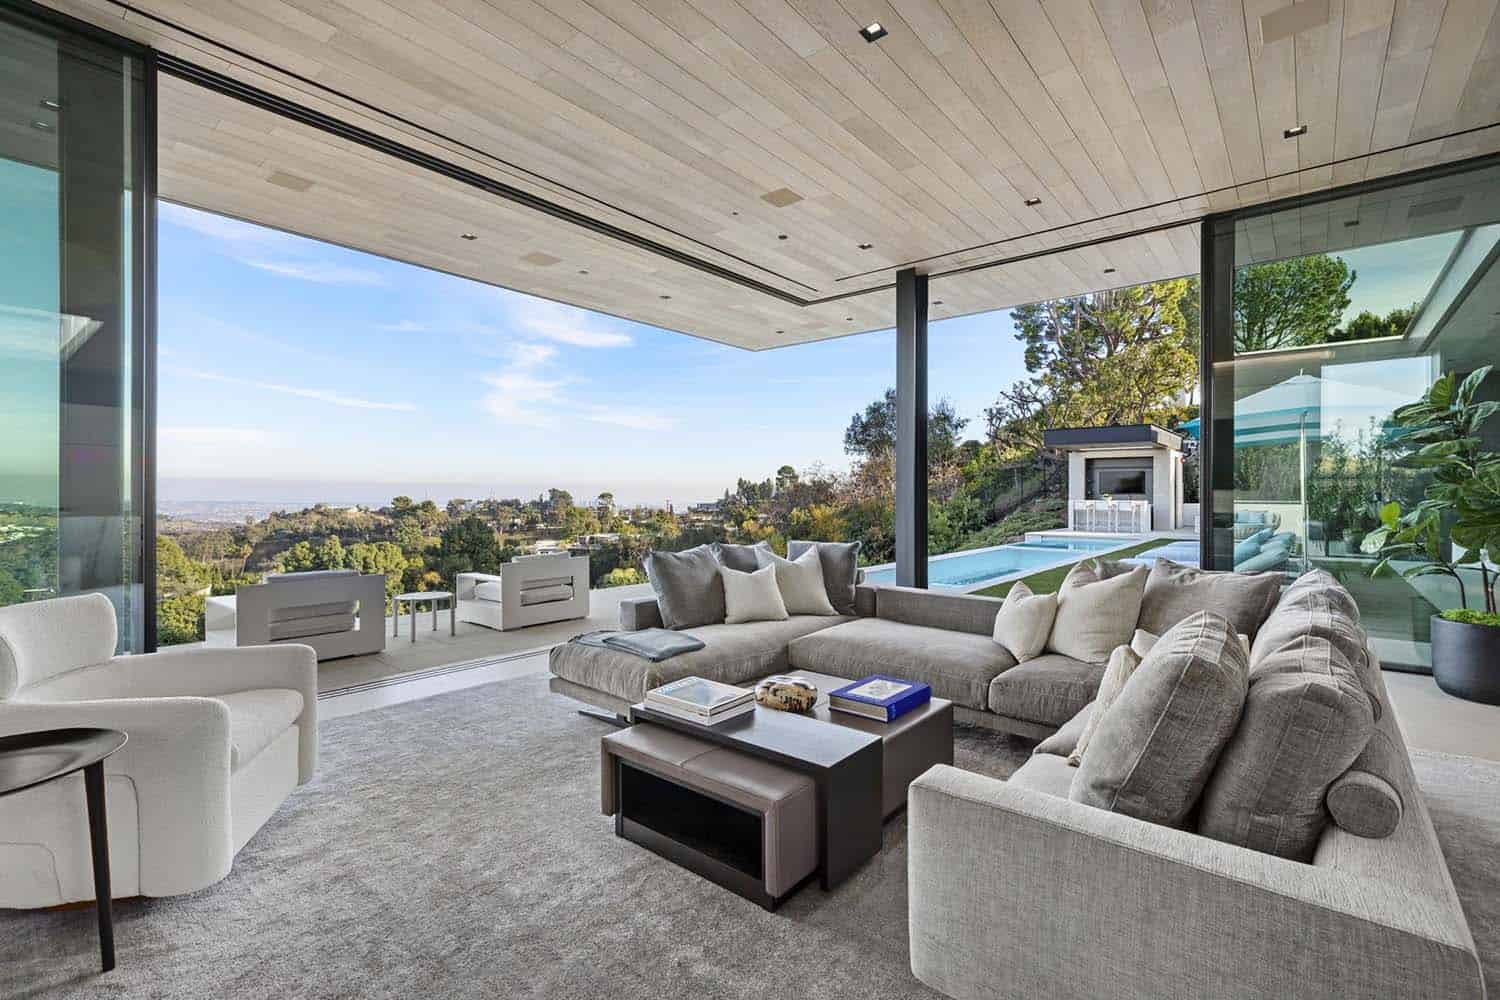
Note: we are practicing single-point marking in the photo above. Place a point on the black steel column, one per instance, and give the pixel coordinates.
(911, 429)
(1216, 408)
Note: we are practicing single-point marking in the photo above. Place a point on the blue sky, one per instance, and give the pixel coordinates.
(294, 369)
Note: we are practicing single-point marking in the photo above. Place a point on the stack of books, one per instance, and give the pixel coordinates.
(703, 701)
(878, 697)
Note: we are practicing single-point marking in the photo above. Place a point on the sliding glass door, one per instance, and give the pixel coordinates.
(73, 365)
(1332, 314)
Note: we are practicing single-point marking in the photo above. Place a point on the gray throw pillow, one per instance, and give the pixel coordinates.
(1155, 748)
(1174, 591)
(1306, 719)
(688, 588)
(840, 570)
(1316, 604)
(744, 558)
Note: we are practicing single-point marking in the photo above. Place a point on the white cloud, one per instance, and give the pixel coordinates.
(529, 355)
(321, 395)
(520, 398)
(562, 324)
(634, 419)
(406, 326)
(318, 272)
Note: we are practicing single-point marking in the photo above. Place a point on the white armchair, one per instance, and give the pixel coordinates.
(217, 740)
(529, 590)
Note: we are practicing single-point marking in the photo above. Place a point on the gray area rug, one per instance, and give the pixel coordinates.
(453, 847)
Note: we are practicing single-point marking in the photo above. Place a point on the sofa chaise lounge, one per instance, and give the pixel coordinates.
(941, 639)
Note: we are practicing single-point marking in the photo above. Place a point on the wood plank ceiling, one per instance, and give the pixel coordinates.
(768, 137)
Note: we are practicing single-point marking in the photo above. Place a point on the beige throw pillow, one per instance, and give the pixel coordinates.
(1122, 663)
(800, 581)
(1024, 622)
(751, 597)
(1097, 607)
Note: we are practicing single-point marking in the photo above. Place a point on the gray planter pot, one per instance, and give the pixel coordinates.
(1466, 660)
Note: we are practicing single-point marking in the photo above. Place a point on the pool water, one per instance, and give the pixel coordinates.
(965, 569)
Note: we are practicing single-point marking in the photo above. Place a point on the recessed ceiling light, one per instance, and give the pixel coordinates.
(1294, 131)
(289, 181)
(873, 32)
(937, 302)
(664, 296)
(50, 104)
(866, 246)
(1109, 270)
(783, 236)
(848, 319)
(1033, 202)
(583, 270)
(44, 126)
(1350, 223)
(467, 236)
(780, 332)
(541, 259)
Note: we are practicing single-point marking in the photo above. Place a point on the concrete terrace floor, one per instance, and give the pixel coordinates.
(437, 648)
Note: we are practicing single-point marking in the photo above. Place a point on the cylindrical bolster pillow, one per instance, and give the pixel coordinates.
(1364, 804)
(1366, 800)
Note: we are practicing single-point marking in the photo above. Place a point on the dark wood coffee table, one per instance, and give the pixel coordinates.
(844, 763)
(31, 759)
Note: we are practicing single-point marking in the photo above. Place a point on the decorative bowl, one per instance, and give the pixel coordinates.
(787, 694)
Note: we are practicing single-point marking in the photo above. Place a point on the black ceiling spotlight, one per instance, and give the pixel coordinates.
(583, 270)
(937, 302)
(1109, 270)
(1033, 202)
(468, 236)
(848, 319)
(1350, 223)
(1294, 131)
(873, 32)
(783, 236)
(866, 246)
(664, 297)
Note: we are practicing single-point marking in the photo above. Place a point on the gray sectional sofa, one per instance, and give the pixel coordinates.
(944, 640)
(1092, 902)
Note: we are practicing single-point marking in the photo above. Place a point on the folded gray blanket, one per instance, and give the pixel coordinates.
(654, 644)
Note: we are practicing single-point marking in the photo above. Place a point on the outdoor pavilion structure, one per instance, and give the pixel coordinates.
(775, 172)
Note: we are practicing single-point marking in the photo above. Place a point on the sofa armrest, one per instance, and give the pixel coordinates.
(864, 600)
(201, 673)
(177, 760)
(1014, 892)
(464, 583)
(637, 613)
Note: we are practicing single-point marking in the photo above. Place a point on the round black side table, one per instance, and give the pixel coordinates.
(31, 759)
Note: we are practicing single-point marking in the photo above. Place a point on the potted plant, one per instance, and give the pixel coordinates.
(1464, 495)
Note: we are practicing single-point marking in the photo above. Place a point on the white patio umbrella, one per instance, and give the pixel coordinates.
(1303, 408)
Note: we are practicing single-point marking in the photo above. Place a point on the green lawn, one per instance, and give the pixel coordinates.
(1048, 580)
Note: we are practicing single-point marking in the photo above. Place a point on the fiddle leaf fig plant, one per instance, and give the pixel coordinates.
(1443, 429)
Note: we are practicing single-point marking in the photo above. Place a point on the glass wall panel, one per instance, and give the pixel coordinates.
(1343, 312)
(70, 399)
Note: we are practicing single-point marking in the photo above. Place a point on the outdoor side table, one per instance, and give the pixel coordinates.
(417, 597)
(31, 759)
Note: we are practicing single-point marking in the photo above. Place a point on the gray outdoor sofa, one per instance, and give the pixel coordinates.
(944, 640)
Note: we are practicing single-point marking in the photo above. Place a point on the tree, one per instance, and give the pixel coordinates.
(1124, 356)
(469, 546)
(379, 557)
(559, 502)
(457, 506)
(580, 521)
(176, 574)
(873, 432)
(1367, 325)
(1289, 303)
(330, 553)
(786, 478)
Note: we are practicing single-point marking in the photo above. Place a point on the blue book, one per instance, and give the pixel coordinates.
(880, 697)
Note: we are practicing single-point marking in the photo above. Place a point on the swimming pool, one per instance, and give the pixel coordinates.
(964, 570)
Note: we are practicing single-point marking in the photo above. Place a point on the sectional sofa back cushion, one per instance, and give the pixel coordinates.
(745, 558)
(752, 597)
(1156, 746)
(1097, 607)
(1024, 622)
(1174, 591)
(1306, 719)
(1318, 605)
(935, 609)
(1122, 663)
(840, 570)
(800, 581)
(688, 588)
